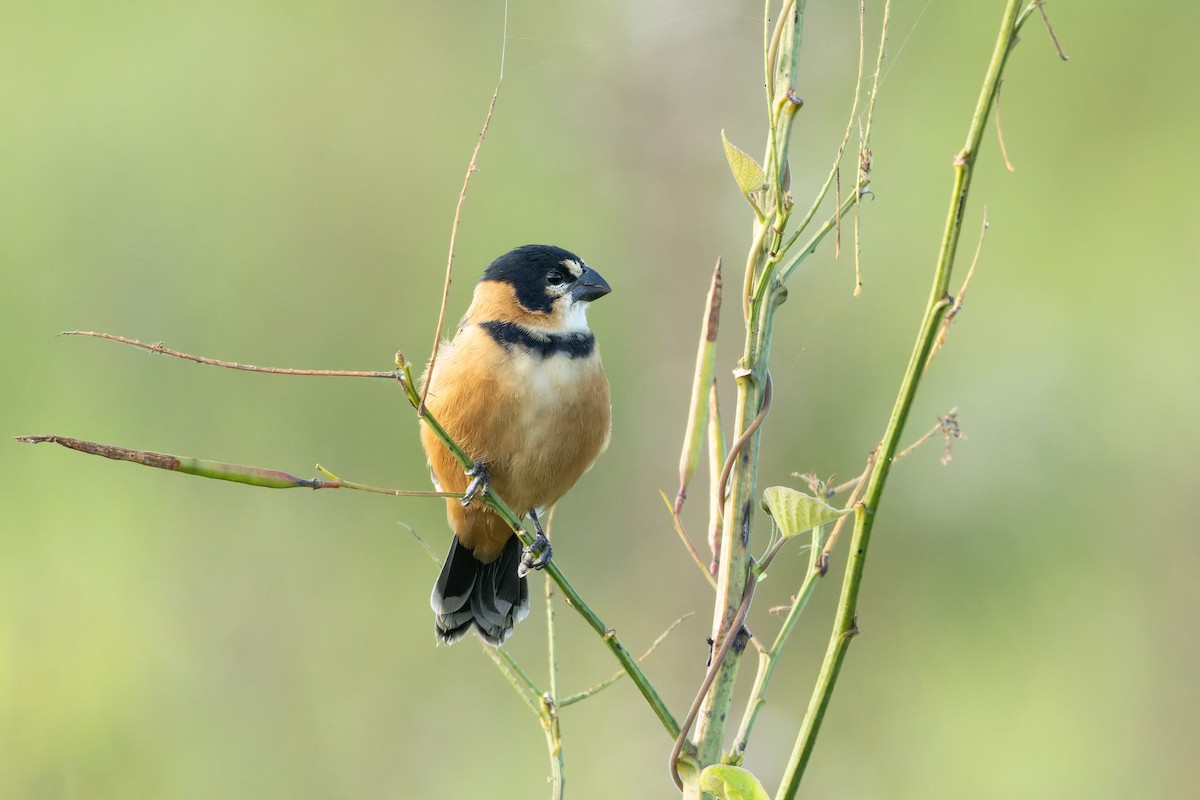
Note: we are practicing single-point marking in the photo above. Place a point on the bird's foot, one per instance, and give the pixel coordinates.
(536, 556)
(481, 483)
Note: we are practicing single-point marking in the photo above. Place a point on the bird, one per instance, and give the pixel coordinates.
(521, 389)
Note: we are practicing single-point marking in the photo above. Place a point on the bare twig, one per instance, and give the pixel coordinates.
(159, 347)
(832, 491)
(837, 202)
(855, 497)
(205, 468)
(462, 196)
(956, 307)
(864, 149)
(616, 676)
(1000, 132)
(437, 562)
(524, 687)
(687, 541)
(1041, 7)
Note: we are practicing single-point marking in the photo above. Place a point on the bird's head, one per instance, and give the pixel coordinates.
(540, 286)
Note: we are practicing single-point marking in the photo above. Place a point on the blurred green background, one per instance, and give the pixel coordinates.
(274, 183)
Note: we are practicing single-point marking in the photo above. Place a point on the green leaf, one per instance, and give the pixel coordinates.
(796, 512)
(746, 171)
(731, 783)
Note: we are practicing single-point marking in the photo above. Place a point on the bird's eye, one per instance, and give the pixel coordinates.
(555, 277)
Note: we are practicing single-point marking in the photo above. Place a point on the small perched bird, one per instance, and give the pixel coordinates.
(521, 389)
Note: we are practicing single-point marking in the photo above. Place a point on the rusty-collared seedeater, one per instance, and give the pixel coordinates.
(521, 389)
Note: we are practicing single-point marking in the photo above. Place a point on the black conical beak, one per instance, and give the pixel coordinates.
(590, 286)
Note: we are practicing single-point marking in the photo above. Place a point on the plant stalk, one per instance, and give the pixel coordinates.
(845, 625)
(762, 296)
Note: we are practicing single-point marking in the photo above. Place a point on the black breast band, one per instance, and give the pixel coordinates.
(577, 344)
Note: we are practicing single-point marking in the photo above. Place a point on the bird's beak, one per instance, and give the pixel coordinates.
(590, 286)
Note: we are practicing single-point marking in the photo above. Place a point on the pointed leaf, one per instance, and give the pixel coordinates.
(746, 171)
(796, 512)
(731, 783)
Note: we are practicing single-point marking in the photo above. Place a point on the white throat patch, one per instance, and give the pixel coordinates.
(575, 320)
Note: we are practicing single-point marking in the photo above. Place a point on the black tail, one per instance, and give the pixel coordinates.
(492, 596)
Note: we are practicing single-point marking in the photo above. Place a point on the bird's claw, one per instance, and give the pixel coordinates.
(536, 556)
(481, 483)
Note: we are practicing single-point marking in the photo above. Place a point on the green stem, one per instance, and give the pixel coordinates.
(819, 235)
(767, 659)
(522, 685)
(845, 626)
(550, 703)
(616, 676)
(761, 297)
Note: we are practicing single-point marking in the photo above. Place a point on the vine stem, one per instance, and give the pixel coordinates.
(846, 620)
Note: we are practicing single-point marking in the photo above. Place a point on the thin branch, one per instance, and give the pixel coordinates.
(217, 470)
(837, 226)
(769, 657)
(864, 148)
(870, 118)
(854, 498)
(687, 541)
(957, 305)
(160, 348)
(821, 194)
(437, 562)
(811, 245)
(1000, 134)
(462, 196)
(947, 424)
(472, 168)
(523, 686)
(1041, 6)
(362, 487)
(616, 676)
